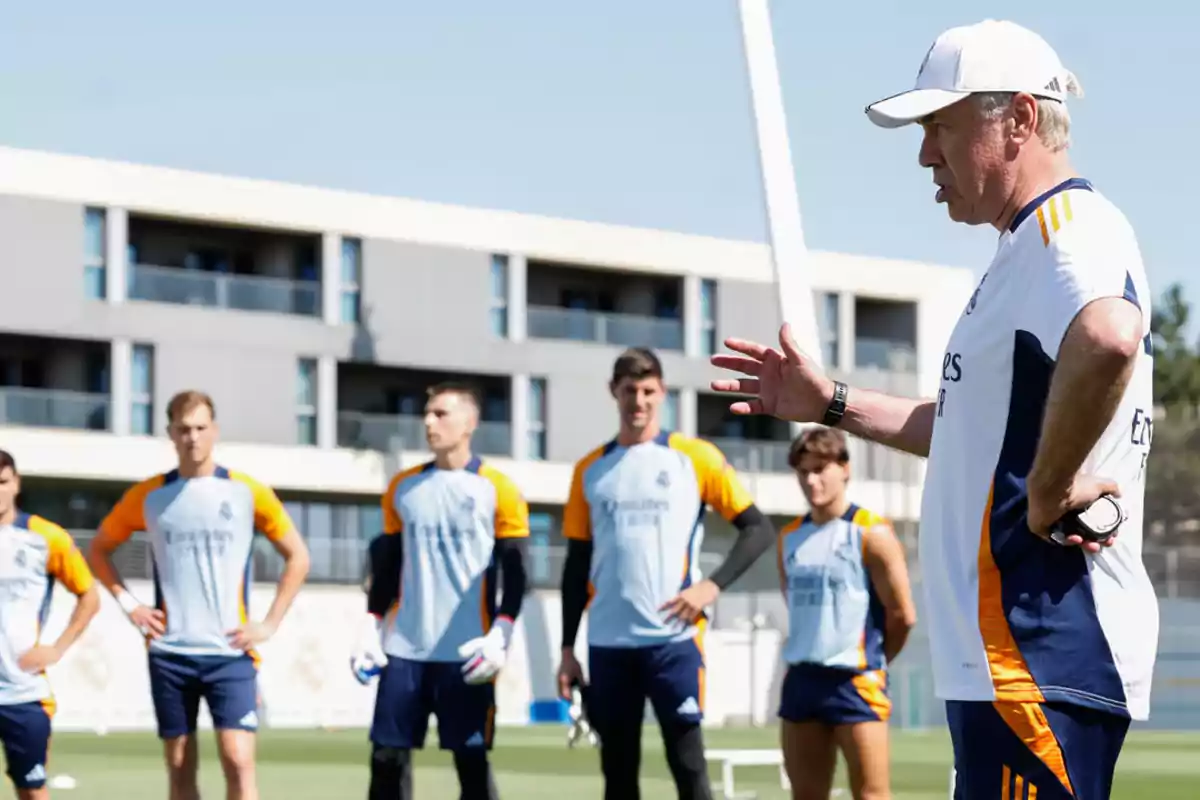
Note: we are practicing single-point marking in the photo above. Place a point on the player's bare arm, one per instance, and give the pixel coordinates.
(87, 605)
(294, 551)
(755, 536)
(150, 621)
(1095, 361)
(784, 383)
(883, 555)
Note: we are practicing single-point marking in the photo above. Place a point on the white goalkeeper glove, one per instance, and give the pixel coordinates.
(486, 655)
(368, 659)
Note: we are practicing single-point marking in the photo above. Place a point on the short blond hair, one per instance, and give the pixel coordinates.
(187, 400)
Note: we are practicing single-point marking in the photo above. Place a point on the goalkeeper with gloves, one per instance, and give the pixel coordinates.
(435, 635)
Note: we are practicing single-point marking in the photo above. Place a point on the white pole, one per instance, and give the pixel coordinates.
(788, 252)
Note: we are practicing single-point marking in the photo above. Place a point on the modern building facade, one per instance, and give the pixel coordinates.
(316, 318)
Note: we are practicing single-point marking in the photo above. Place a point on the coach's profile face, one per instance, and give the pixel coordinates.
(450, 419)
(822, 479)
(972, 156)
(10, 487)
(194, 434)
(638, 400)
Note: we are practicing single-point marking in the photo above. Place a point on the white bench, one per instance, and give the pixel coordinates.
(729, 759)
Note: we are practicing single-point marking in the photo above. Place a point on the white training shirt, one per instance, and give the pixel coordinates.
(1012, 617)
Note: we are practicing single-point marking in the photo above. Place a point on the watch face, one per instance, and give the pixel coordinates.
(1102, 516)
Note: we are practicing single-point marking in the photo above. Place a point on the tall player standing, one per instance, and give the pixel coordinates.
(1043, 646)
(201, 519)
(634, 526)
(449, 524)
(34, 554)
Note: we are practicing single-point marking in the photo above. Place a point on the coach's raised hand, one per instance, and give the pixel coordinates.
(783, 383)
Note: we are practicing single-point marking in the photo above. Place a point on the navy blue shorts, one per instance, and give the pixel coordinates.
(1013, 751)
(832, 696)
(409, 691)
(621, 679)
(227, 684)
(25, 732)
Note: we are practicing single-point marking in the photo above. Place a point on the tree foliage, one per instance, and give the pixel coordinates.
(1173, 468)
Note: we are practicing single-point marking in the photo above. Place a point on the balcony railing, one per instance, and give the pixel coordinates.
(749, 455)
(884, 354)
(625, 330)
(868, 461)
(216, 290)
(54, 408)
(389, 433)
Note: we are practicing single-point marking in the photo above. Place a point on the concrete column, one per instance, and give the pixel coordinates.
(687, 411)
(116, 242)
(520, 410)
(692, 320)
(120, 381)
(518, 300)
(327, 402)
(331, 278)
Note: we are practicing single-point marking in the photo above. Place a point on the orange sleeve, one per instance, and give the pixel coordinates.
(720, 486)
(128, 516)
(271, 519)
(64, 561)
(392, 522)
(577, 514)
(512, 512)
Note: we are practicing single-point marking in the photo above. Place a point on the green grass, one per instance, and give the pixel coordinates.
(534, 763)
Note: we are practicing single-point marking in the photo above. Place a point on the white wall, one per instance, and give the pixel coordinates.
(305, 680)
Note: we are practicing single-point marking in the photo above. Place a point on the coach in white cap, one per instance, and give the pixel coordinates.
(1043, 643)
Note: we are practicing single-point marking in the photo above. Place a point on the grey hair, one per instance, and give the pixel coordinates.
(1054, 120)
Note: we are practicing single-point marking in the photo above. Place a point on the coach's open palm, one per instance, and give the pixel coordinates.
(783, 383)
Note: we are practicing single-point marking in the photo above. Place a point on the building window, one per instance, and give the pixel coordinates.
(829, 326)
(499, 307)
(669, 416)
(306, 401)
(94, 248)
(537, 419)
(141, 396)
(708, 317)
(351, 279)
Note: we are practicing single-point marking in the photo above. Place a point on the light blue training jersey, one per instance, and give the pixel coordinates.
(835, 618)
(643, 508)
(450, 521)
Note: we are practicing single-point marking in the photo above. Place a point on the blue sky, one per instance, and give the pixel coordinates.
(625, 111)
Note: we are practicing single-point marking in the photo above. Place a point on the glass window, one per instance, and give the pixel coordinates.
(829, 322)
(306, 401)
(541, 527)
(141, 411)
(708, 317)
(498, 313)
(669, 416)
(537, 419)
(94, 254)
(351, 279)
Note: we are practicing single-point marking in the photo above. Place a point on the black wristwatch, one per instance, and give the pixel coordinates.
(837, 406)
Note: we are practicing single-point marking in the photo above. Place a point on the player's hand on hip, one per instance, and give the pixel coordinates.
(485, 656)
(37, 659)
(783, 383)
(152, 622)
(1047, 508)
(249, 635)
(688, 605)
(570, 673)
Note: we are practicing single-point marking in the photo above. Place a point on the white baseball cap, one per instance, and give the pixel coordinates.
(989, 56)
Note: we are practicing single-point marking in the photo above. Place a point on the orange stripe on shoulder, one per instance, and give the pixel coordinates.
(791, 527)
